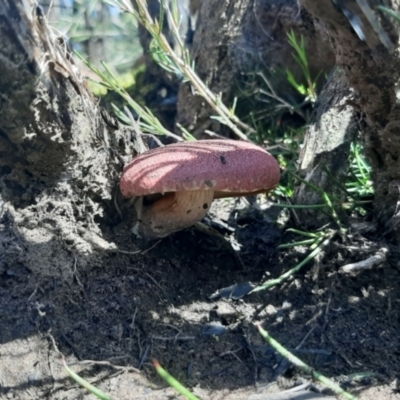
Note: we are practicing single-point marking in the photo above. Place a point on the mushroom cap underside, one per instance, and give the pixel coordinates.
(218, 165)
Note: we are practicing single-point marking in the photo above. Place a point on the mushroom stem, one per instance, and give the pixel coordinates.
(173, 212)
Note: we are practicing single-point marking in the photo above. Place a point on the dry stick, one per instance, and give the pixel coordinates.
(89, 362)
(173, 338)
(302, 365)
(378, 258)
(107, 364)
(151, 247)
(137, 251)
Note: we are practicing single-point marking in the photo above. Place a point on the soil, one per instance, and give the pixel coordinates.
(154, 300)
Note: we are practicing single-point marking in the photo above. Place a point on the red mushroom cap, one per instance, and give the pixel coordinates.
(219, 165)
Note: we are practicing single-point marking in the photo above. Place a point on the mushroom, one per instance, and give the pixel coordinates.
(177, 183)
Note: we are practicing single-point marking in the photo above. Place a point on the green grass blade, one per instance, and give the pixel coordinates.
(303, 233)
(299, 206)
(318, 246)
(85, 384)
(173, 382)
(390, 12)
(302, 365)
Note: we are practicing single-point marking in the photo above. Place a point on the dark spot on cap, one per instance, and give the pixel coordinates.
(205, 206)
(223, 159)
(208, 183)
(188, 211)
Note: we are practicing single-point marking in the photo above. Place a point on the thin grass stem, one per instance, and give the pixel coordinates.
(303, 366)
(172, 60)
(300, 206)
(303, 233)
(173, 382)
(294, 244)
(85, 384)
(321, 243)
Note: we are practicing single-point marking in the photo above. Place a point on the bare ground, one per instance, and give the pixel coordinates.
(155, 303)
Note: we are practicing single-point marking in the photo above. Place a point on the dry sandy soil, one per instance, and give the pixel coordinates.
(155, 303)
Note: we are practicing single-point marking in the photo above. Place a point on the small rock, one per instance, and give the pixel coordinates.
(226, 312)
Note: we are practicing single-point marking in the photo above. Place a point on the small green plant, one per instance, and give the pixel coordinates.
(280, 103)
(280, 123)
(316, 242)
(308, 90)
(359, 183)
(180, 64)
(330, 201)
(286, 149)
(148, 122)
